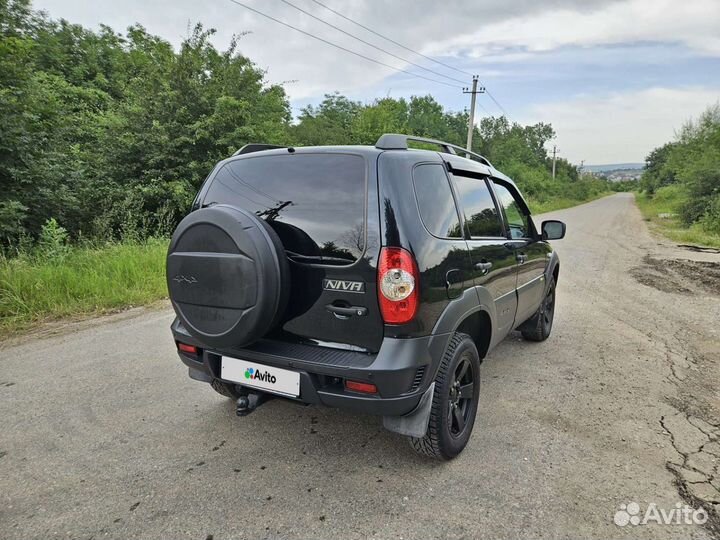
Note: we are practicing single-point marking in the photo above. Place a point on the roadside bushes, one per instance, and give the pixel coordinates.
(111, 135)
(53, 277)
(710, 220)
(689, 170)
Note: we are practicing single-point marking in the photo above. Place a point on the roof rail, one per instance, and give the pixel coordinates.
(397, 141)
(256, 147)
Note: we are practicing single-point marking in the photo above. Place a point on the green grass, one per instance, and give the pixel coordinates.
(85, 281)
(667, 200)
(541, 207)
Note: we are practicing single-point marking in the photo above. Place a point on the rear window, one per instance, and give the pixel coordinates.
(315, 202)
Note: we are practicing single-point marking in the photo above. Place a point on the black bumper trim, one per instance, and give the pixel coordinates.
(393, 370)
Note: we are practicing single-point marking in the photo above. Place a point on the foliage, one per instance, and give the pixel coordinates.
(661, 209)
(53, 243)
(691, 162)
(113, 134)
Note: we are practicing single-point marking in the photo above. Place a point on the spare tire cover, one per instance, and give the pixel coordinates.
(227, 275)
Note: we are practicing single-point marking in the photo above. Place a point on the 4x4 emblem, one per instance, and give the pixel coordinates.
(180, 278)
(342, 285)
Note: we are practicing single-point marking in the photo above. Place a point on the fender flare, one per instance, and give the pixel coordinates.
(472, 300)
(553, 263)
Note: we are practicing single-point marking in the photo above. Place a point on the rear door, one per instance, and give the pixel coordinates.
(317, 203)
(494, 265)
(450, 270)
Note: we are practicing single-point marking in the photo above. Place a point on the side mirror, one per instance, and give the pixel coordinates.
(553, 229)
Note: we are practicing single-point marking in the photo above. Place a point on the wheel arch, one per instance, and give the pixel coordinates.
(477, 319)
(478, 325)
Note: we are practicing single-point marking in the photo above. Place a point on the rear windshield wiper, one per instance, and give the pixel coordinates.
(317, 259)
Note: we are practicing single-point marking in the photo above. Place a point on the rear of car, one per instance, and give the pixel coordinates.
(318, 335)
(368, 278)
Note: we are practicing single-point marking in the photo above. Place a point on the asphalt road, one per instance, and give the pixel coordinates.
(102, 434)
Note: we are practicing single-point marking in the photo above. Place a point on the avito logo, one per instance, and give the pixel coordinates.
(258, 375)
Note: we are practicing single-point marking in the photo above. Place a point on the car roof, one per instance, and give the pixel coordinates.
(455, 161)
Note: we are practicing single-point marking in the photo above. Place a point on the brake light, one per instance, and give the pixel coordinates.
(398, 284)
(357, 386)
(184, 347)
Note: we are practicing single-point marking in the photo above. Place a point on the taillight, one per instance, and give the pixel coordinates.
(398, 283)
(189, 349)
(357, 386)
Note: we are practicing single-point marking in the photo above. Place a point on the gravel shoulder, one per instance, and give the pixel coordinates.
(104, 436)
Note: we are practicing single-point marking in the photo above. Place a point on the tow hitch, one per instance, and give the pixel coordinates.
(247, 403)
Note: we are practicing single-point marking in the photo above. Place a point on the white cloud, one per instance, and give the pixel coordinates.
(694, 23)
(621, 127)
(317, 67)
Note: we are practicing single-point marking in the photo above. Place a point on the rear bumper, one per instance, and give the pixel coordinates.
(402, 370)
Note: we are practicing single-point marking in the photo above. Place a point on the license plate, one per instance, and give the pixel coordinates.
(254, 375)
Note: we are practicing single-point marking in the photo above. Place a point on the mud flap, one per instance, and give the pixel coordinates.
(415, 423)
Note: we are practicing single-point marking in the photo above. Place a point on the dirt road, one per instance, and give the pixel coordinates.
(104, 436)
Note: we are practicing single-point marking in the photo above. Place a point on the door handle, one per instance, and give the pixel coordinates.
(484, 267)
(521, 258)
(345, 312)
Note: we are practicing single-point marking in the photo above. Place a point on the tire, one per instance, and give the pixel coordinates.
(228, 276)
(452, 416)
(225, 389)
(539, 326)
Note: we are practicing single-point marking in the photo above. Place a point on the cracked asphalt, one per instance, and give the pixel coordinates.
(102, 435)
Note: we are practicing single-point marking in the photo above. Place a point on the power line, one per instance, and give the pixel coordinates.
(496, 102)
(407, 49)
(370, 44)
(391, 40)
(341, 47)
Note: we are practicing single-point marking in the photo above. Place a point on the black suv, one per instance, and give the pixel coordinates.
(372, 278)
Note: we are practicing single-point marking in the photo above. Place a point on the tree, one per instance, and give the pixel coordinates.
(383, 116)
(109, 133)
(692, 164)
(329, 123)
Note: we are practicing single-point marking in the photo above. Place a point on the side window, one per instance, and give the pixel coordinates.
(435, 200)
(516, 218)
(478, 207)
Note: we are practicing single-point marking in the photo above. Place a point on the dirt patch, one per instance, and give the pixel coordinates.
(54, 327)
(680, 276)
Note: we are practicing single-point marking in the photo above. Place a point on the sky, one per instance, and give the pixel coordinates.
(615, 78)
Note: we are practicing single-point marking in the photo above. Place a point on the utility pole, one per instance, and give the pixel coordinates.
(554, 157)
(471, 121)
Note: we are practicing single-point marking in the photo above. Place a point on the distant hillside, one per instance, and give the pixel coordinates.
(612, 167)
